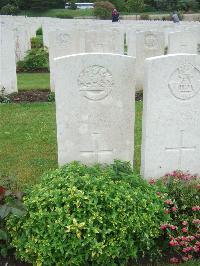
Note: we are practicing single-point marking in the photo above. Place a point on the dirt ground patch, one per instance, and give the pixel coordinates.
(11, 261)
(45, 96)
(30, 96)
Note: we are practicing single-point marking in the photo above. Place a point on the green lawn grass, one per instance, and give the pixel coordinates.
(30, 81)
(28, 140)
(58, 13)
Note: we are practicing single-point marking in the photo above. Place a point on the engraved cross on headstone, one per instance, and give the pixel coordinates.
(97, 150)
(180, 149)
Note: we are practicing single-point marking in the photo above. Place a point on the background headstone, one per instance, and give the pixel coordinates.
(143, 45)
(104, 41)
(8, 77)
(184, 42)
(63, 43)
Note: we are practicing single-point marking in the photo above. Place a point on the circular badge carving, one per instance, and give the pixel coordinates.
(151, 41)
(184, 82)
(95, 82)
(64, 38)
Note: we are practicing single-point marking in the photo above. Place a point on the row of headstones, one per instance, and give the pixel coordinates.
(95, 111)
(24, 28)
(141, 45)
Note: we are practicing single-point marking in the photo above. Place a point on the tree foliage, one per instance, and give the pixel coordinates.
(121, 5)
(135, 5)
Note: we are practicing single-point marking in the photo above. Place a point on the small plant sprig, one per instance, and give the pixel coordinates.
(51, 97)
(3, 97)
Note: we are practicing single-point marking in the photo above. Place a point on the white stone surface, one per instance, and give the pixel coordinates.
(8, 78)
(143, 45)
(171, 115)
(184, 42)
(63, 43)
(22, 41)
(104, 41)
(95, 108)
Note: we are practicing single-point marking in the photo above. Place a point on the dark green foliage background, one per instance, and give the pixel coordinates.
(121, 5)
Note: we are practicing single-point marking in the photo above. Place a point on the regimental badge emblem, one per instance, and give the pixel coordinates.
(95, 82)
(184, 83)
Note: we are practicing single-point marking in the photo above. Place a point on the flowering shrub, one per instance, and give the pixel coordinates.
(100, 215)
(180, 194)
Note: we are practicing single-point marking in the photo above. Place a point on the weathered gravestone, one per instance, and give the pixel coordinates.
(22, 40)
(143, 45)
(8, 78)
(104, 41)
(95, 108)
(184, 42)
(63, 43)
(171, 116)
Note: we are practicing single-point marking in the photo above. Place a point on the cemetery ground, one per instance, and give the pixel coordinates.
(131, 218)
(31, 81)
(29, 145)
(29, 135)
(28, 141)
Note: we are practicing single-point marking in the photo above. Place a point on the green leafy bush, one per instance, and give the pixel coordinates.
(120, 5)
(103, 10)
(188, 5)
(39, 32)
(36, 60)
(72, 5)
(99, 215)
(9, 10)
(37, 42)
(180, 193)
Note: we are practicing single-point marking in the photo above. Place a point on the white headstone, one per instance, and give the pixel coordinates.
(22, 41)
(171, 115)
(63, 43)
(8, 78)
(104, 41)
(95, 108)
(184, 42)
(143, 45)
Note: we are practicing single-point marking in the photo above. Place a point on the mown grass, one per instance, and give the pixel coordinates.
(31, 81)
(58, 13)
(28, 140)
(28, 145)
